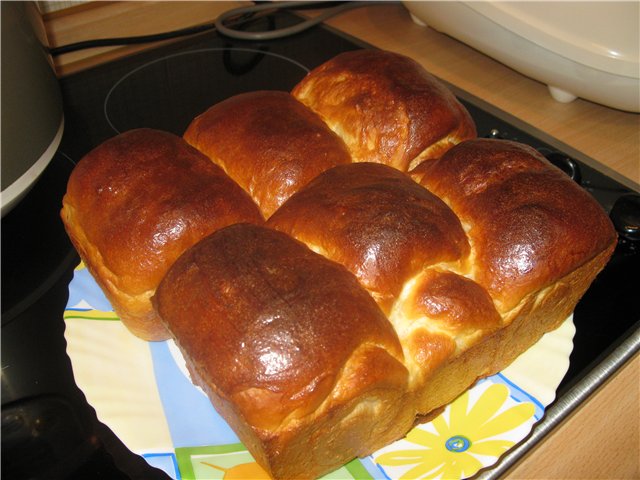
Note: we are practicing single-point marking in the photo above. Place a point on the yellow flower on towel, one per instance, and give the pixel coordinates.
(454, 450)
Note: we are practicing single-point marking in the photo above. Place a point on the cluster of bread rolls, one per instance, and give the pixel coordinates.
(334, 261)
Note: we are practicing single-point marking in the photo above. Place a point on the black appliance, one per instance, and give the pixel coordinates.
(48, 429)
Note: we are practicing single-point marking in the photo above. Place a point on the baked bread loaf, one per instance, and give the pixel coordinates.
(386, 107)
(134, 204)
(400, 259)
(291, 350)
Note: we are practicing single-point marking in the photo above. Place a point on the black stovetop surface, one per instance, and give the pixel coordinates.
(48, 429)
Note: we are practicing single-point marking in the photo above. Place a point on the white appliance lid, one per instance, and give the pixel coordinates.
(602, 35)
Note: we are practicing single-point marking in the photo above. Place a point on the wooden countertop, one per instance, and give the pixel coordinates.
(601, 439)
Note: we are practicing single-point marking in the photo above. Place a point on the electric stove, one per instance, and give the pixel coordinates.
(48, 428)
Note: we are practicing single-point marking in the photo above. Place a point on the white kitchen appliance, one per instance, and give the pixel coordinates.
(587, 49)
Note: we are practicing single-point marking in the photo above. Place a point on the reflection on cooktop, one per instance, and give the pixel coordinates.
(168, 92)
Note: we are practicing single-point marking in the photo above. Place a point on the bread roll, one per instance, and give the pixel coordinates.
(291, 350)
(385, 107)
(528, 223)
(134, 204)
(378, 222)
(268, 142)
(537, 242)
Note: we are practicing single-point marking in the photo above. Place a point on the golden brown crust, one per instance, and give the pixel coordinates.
(528, 223)
(286, 342)
(385, 107)
(282, 320)
(441, 315)
(134, 204)
(539, 312)
(268, 142)
(376, 221)
(454, 303)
